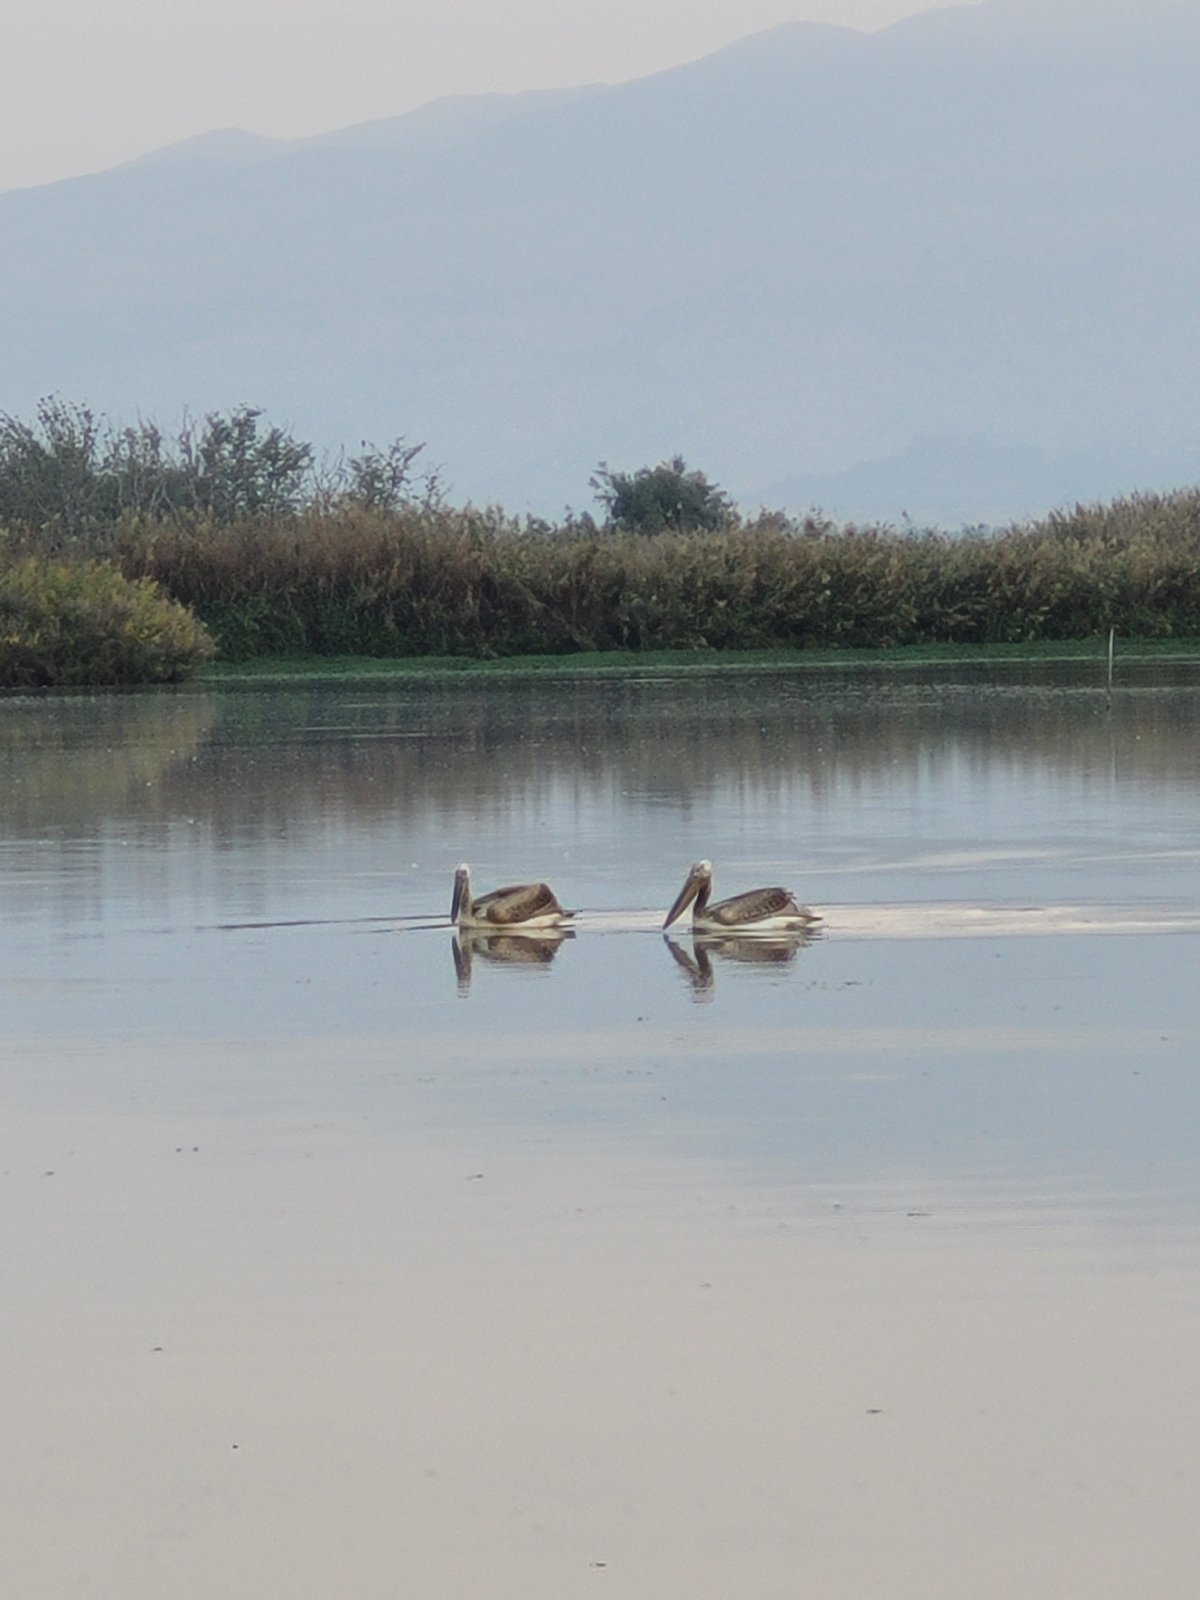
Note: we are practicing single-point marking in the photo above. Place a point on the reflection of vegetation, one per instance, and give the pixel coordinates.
(256, 763)
(78, 763)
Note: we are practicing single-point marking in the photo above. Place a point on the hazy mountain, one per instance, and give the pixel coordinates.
(822, 264)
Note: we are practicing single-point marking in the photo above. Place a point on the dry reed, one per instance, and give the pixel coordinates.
(444, 582)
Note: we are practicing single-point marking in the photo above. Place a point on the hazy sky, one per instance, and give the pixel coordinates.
(87, 83)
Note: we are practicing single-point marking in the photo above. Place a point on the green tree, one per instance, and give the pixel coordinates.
(669, 496)
(380, 479)
(50, 475)
(69, 475)
(240, 470)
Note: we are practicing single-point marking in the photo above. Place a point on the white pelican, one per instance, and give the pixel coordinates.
(519, 905)
(756, 911)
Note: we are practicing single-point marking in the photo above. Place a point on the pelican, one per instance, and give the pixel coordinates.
(756, 911)
(519, 905)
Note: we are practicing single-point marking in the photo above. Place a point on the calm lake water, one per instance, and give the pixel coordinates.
(345, 1260)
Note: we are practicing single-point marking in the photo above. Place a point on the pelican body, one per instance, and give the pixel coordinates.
(515, 907)
(757, 911)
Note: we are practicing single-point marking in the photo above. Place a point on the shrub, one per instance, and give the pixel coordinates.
(668, 497)
(65, 624)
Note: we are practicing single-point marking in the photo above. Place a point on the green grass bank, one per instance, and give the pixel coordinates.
(616, 663)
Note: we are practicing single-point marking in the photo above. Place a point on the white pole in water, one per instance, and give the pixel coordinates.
(1112, 639)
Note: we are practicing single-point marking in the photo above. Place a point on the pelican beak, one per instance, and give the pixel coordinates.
(460, 879)
(691, 887)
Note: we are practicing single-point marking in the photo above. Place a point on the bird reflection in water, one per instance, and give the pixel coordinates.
(778, 950)
(512, 948)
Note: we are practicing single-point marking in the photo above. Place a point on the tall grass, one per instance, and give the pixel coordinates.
(433, 581)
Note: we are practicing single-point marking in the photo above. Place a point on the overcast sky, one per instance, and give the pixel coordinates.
(87, 83)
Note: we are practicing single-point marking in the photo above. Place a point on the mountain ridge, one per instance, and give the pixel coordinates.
(803, 252)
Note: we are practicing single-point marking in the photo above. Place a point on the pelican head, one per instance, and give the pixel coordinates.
(698, 880)
(462, 890)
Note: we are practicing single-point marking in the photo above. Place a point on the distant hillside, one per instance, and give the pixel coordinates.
(798, 262)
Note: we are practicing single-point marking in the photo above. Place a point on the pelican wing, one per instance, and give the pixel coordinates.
(518, 902)
(756, 905)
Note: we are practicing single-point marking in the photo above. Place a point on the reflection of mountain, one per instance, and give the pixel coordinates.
(527, 950)
(257, 764)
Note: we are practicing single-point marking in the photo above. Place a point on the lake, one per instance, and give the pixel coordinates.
(347, 1258)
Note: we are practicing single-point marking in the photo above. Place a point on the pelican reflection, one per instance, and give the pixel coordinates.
(513, 948)
(754, 950)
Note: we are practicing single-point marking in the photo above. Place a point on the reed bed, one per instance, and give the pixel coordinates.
(435, 581)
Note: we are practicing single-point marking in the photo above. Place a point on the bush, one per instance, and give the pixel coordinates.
(66, 625)
(660, 499)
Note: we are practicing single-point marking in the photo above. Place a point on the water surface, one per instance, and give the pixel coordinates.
(342, 1261)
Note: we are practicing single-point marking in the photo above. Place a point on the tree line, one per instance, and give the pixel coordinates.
(263, 549)
(71, 475)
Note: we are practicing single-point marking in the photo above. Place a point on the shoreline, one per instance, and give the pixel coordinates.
(618, 663)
